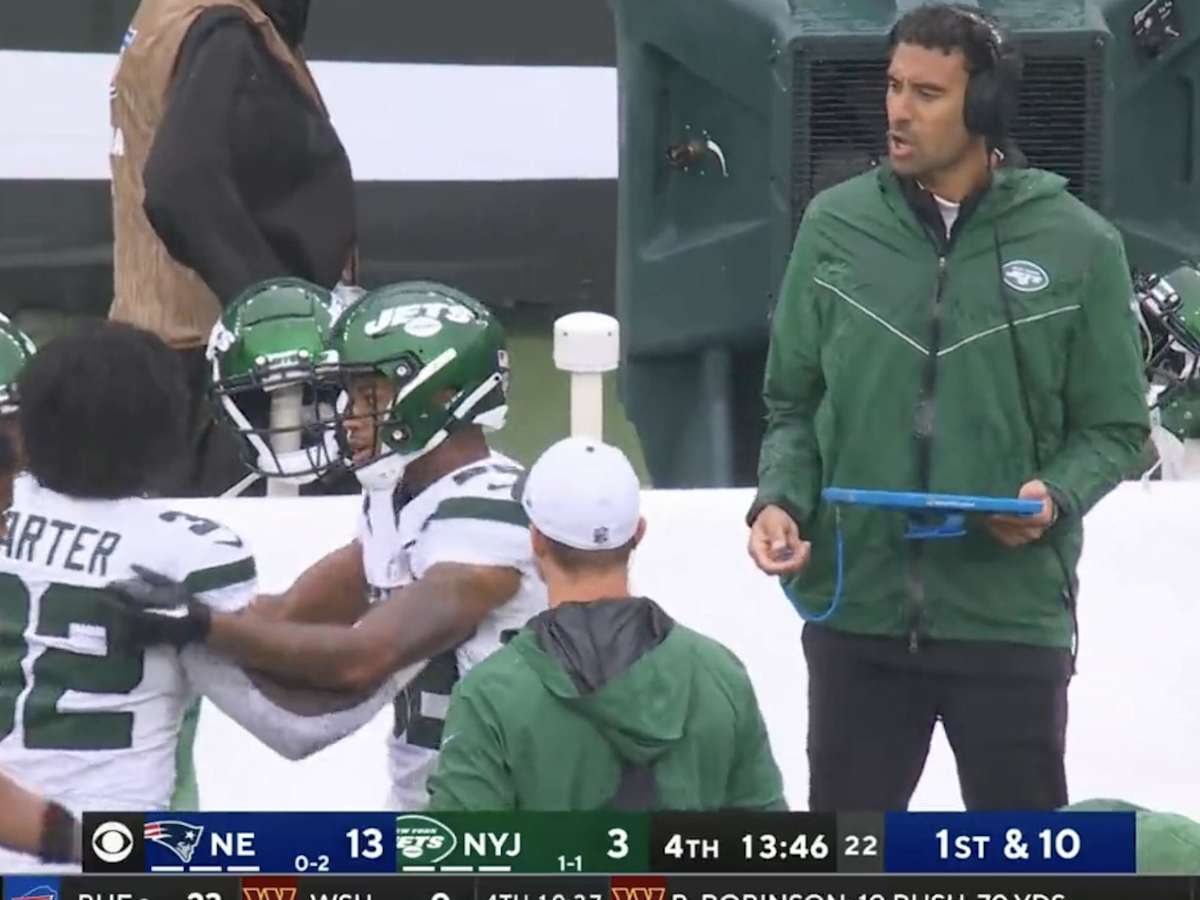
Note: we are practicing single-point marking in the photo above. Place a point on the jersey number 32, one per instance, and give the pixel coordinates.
(54, 671)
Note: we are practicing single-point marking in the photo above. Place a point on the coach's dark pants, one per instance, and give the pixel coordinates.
(873, 704)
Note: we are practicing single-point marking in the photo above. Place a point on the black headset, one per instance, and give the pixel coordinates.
(993, 92)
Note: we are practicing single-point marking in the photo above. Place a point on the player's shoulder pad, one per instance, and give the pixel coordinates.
(209, 556)
(487, 492)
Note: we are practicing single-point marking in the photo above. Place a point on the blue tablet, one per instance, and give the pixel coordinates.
(918, 502)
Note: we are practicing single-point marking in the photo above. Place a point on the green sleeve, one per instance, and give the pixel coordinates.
(789, 464)
(754, 781)
(472, 772)
(1107, 421)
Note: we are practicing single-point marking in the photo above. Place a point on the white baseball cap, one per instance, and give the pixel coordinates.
(583, 493)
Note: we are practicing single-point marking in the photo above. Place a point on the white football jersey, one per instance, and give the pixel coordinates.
(470, 516)
(83, 722)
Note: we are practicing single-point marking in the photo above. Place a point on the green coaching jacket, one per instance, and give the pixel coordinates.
(892, 366)
(606, 705)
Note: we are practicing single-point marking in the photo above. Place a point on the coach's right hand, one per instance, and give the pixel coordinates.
(775, 544)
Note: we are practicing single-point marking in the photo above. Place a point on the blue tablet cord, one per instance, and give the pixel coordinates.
(839, 560)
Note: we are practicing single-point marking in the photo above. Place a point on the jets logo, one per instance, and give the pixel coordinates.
(1025, 276)
(422, 841)
(418, 319)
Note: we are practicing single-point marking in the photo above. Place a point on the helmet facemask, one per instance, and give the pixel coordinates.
(283, 416)
(274, 380)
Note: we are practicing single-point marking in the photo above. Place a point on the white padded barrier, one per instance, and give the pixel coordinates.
(1135, 706)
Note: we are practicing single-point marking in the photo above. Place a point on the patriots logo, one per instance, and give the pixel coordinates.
(181, 838)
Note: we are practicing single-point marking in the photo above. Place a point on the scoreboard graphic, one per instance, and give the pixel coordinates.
(601, 856)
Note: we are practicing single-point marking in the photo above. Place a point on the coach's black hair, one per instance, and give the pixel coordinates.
(942, 26)
(102, 411)
(993, 61)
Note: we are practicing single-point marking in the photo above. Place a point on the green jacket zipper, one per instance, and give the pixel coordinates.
(923, 426)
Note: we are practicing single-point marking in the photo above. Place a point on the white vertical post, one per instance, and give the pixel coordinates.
(586, 345)
(286, 408)
(587, 404)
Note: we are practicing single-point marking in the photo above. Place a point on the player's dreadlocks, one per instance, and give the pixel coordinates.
(102, 411)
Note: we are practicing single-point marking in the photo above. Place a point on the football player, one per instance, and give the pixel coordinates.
(88, 719)
(441, 570)
(270, 339)
(28, 824)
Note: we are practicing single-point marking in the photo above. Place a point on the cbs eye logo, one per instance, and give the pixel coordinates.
(112, 842)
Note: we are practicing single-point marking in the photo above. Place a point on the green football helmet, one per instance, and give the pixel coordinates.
(1168, 312)
(442, 357)
(274, 378)
(16, 348)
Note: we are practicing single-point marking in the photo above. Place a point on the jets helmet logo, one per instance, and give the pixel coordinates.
(419, 319)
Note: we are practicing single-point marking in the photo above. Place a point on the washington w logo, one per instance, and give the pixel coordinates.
(280, 892)
(259, 888)
(639, 888)
(638, 893)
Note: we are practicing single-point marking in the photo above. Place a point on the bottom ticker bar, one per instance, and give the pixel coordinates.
(930, 887)
(625, 887)
(152, 887)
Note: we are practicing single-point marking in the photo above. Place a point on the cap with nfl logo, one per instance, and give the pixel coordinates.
(584, 494)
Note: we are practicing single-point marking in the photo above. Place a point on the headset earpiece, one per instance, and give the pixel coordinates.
(992, 93)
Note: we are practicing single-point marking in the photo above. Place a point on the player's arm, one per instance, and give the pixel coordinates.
(29, 824)
(415, 622)
(294, 722)
(333, 590)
